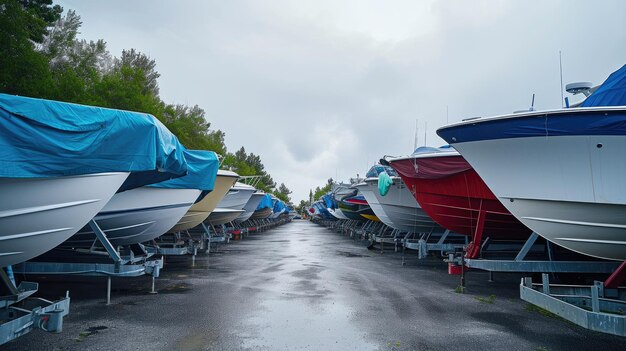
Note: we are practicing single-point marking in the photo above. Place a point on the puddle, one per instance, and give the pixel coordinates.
(286, 324)
(175, 289)
(349, 254)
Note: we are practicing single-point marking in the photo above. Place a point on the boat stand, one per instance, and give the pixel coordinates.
(594, 307)
(443, 243)
(129, 265)
(385, 234)
(521, 264)
(20, 313)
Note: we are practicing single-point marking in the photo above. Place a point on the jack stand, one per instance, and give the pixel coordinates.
(153, 291)
(108, 291)
(490, 277)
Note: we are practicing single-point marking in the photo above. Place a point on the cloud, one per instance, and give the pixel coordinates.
(322, 89)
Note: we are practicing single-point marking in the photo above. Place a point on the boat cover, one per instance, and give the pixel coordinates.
(279, 206)
(266, 202)
(611, 93)
(329, 201)
(43, 138)
(432, 167)
(202, 169)
(378, 169)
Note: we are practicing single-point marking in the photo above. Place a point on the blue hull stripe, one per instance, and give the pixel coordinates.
(600, 122)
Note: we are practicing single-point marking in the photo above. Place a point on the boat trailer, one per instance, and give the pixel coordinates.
(596, 307)
(20, 313)
(135, 262)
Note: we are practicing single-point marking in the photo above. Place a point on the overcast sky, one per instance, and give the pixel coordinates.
(323, 89)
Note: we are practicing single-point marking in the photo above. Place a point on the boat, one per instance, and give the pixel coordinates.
(82, 156)
(355, 207)
(264, 209)
(136, 216)
(278, 209)
(560, 172)
(251, 206)
(221, 216)
(200, 210)
(398, 208)
(145, 213)
(332, 207)
(231, 206)
(451, 193)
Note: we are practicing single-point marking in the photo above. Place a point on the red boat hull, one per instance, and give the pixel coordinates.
(453, 195)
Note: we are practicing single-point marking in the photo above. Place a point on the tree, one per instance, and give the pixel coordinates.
(23, 70)
(282, 192)
(301, 207)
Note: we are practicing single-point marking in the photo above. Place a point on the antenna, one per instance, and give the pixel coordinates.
(425, 129)
(532, 103)
(561, 70)
(415, 139)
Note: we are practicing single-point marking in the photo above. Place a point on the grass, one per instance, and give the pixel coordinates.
(532, 308)
(541, 348)
(459, 289)
(489, 299)
(81, 337)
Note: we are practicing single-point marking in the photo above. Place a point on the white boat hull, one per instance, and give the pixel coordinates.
(237, 197)
(221, 216)
(250, 207)
(401, 209)
(569, 189)
(372, 201)
(36, 215)
(337, 213)
(137, 215)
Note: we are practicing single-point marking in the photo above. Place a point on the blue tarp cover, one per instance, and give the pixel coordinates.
(44, 138)
(329, 201)
(202, 169)
(377, 169)
(279, 206)
(266, 202)
(611, 93)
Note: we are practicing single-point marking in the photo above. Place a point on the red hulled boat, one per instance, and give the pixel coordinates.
(454, 196)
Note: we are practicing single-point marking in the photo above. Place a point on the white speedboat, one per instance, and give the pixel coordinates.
(61, 163)
(398, 208)
(237, 196)
(203, 208)
(336, 212)
(560, 172)
(221, 216)
(231, 206)
(137, 215)
(38, 214)
(250, 206)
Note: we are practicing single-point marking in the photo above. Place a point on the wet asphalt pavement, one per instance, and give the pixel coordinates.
(303, 287)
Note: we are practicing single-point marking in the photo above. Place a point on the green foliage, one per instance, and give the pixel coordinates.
(41, 56)
(489, 299)
(23, 70)
(249, 165)
(301, 206)
(282, 192)
(319, 192)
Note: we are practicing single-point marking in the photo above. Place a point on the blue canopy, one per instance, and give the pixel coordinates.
(279, 206)
(44, 138)
(202, 169)
(266, 202)
(611, 93)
